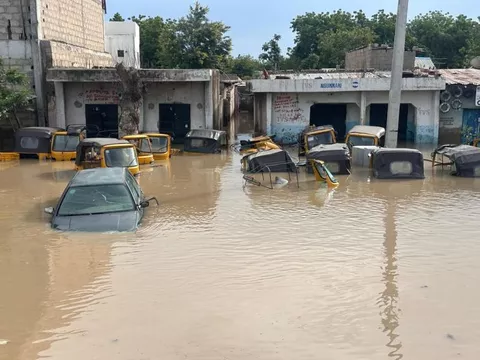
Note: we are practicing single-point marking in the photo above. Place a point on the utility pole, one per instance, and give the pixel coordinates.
(395, 96)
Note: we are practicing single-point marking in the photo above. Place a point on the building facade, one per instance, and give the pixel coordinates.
(174, 100)
(460, 106)
(40, 34)
(122, 41)
(285, 104)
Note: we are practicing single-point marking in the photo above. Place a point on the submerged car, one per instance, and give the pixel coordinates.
(35, 141)
(313, 136)
(335, 156)
(143, 146)
(64, 143)
(463, 159)
(101, 199)
(397, 163)
(205, 141)
(161, 145)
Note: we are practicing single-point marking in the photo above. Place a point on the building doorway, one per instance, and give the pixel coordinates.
(378, 117)
(330, 114)
(174, 120)
(103, 116)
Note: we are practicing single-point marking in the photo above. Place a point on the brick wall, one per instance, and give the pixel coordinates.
(76, 22)
(14, 19)
(376, 58)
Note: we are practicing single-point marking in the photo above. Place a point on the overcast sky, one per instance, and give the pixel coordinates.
(253, 22)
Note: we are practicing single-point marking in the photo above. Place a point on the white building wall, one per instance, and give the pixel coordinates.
(290, 112)
(123, 36)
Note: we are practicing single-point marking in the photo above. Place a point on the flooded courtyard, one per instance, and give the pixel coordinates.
(371, 270)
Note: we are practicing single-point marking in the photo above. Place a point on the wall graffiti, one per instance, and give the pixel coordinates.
(108, 96)
(286, 109)
(423, 112)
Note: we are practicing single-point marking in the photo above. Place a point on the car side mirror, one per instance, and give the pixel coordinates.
(49, 210)
(144, 204)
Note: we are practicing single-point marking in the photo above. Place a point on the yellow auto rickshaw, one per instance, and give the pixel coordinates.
(143, 147)
(313, 136)
(161, 145)
(365, 135)
(35, 141)
(257, 143)
(64, 143)
(106, 152)
(322, 173)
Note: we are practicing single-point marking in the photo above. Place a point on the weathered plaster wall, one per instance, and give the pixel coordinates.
(290, 112)
(123, 36)
(451, 123)
(77, 95)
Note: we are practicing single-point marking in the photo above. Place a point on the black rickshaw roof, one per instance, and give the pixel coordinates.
(102, 142)
(397, 151)
(453, 151)
(38, 131)
(377, 131)
(205, 134)
(100, 176)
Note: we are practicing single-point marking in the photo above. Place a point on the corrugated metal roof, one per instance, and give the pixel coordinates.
(461, 76)
(331, 75)
(424, 63)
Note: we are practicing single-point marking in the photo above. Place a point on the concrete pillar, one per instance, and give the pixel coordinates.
(269, 110)
(60, 120)
(436, 116)
(363, 108)
(209, 104)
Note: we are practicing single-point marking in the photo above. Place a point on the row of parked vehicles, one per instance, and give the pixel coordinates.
(364, 146)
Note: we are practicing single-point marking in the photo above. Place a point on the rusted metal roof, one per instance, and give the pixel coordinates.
(461, 76)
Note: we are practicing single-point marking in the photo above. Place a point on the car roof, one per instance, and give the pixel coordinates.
(367, 129)
(103, 141)
(99, 176)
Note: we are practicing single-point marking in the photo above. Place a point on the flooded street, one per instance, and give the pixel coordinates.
(371, 270)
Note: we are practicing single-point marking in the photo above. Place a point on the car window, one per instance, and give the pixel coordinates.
(89, 200)
(133, 186)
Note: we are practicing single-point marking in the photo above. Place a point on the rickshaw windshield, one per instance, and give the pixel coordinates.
(319, 139)
(145, 146)
(324, 172)
(159, 144)
(65, 143)
(358, 140)
(121, 157)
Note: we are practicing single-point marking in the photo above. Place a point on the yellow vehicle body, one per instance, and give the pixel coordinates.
(64, 145)
(106, 152)
(476, 142)
(322, 173)
(143, 146)
(258, 143)
(161, 145)
(365, 135)
(35, 141)
(314, 136)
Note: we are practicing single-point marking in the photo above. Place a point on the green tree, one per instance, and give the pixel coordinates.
(15, 94)
(117, 17)
(244, 66)
(272, 54)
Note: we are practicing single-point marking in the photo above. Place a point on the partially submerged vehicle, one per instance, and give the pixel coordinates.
(205, 141)
(257, 143)
(106, 152)
(161, 145)
(313, 136)
(275, 160)
(64, 143)
(323, 174)
(463, 159)
(397, 163)
(365, 135)
(108, 199)
(35, 141)
(336, 157)
(143, 146)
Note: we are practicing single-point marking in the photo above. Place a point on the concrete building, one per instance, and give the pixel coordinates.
(40, 34)
(376, 57)
(286, 103)
(174, 100)
(460, 106)
(122, 41)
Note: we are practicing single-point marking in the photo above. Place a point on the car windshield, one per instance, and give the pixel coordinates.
(159, 144)
(89, 200)
(121, 157)
(65, 142)
(319, 139)
(145, 146)
(361, 140)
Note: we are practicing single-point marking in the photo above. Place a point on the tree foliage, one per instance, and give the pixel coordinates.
(272, 53)
(117, 17)
(244, 66)
(14, 92)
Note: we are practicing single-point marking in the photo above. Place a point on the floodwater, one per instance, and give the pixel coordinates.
(371, 270)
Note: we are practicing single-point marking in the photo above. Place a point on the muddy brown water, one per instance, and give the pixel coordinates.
(371, 270)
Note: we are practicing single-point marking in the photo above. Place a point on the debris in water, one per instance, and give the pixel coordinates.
(424, 286)
(450, 336)
(3, 342)
(280, 181)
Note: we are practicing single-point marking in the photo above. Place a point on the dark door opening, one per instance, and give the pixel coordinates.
(103, 116)
(330, 114)
(378, 117)
(174, 120)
